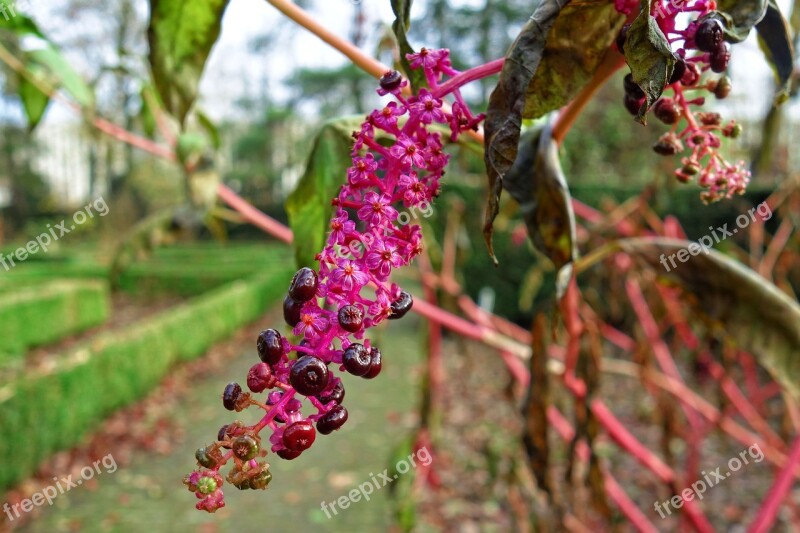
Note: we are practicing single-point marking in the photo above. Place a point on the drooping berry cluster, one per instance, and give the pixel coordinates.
(330, 309)
(699, 48)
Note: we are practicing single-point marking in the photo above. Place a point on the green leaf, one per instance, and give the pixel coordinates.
(210, 128)
(147, 114)
(34, 102)
(507, 102)
(537, 183)
(20, 25)
(649, 56)
(43, 61)
(740, 17)
(752, 312)
(774, 38)
(181, 35)
(402, 21)
(309, 206)
(61, 74)
(576, 45)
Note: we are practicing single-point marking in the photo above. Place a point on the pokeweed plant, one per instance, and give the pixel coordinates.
(327, 307)
(396, 160)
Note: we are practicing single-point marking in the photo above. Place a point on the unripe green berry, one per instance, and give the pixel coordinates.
(245, 447)
(206, 485)
(204, 459)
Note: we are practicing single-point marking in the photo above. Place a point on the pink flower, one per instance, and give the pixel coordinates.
(428, 108)
(362, 169)
(312, 323)
(415, 192)
(408, 152)
(381, 258)
(386, 118)
(381, 308)
(377, 209)
(427, 59)
(341, 226)
(212, 502)
(349, 275)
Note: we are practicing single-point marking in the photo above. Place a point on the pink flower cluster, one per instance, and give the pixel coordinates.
(350, 292)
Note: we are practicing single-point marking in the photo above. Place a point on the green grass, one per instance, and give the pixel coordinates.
(41, 414)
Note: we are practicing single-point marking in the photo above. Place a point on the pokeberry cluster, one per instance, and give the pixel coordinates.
(700, 49)
(330, 309)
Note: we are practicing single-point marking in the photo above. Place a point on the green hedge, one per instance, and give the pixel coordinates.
(33, 316)
(192, 269)
(42, 414)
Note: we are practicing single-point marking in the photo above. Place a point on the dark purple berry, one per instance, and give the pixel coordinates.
(291, 310)
(351, 318)
(288, 454)
(230, 396)
(332, 394)
(667, 111)
(678, 71)
(375, 365)
(332, 420)
(709, 35)
(633, 104)
(299, 436)
(309, 375)
(304, 285)
(631, 87)
(390, 80)
(245, 447)
(222, 434)
(270, 346)
(622, 36)
(720, 57)
(260, 378)
(401, 306)
(356, 359)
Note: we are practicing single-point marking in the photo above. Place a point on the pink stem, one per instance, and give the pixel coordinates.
(777, 494)
(468, 76)
(614, 490)
(256, 217)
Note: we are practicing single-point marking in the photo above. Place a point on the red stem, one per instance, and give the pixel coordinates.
(777, 494)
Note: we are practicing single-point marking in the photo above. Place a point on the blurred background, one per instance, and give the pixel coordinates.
(167, 309)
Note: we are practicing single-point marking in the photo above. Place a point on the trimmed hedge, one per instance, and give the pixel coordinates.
(34, 316)
(42, 414)
(192, 269)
